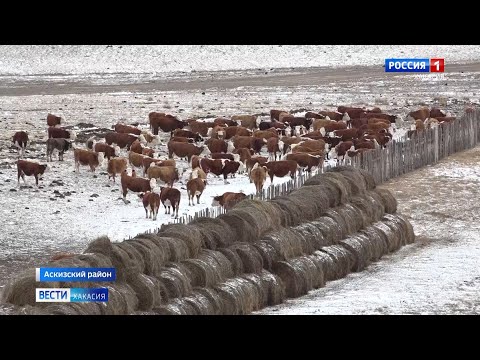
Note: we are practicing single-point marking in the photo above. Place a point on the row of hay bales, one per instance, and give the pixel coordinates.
(253, 256)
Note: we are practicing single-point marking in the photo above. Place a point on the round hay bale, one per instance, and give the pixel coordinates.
(353, 218)
(176, 280)
(101, 245)
(312, 235)
(186, 307)
(361, 218)
(312, 200)
(329, 228)
(29, 310)
(291, 211)
(157, 246)
(189, 234)
(178, 249)
(268, 209)
(201, 303)
(202, 272)
(21, 290)
(286, 242)
(329, 192)
(354, 177)
(365, 207)
(295, 275)
(96, 260)
(235, 260)
(215, 232)
(134, 255)
(122, 300)
(261, 288)
(341, 183)
(170, 309)
(230, 298)
(153, 257)
(318, 272)
(359, 250)
(410, 234)
(147, 290)
(213, 298)
(377, 204)
(388, 200)
(251, 259)
(252, 294)
(275, 288)
(343, 260)
(218, 261)
(398, 229)
(330, 270)
(378, 242)
(392, 239)
(243, 225)
(369, 179)
(62, 309)
(268, 252)
(341, 222)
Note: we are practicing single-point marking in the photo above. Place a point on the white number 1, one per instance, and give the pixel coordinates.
(437, 64)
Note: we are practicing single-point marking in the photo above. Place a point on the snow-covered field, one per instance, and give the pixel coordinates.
(64, 216)
(160, 60)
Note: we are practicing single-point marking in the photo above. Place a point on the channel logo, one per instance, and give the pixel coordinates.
(57, 295)
(434, 65)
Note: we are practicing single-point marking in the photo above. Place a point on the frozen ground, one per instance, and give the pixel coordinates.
(439, 274)
(38, 224)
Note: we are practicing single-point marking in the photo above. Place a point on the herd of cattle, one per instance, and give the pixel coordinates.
(222, 147)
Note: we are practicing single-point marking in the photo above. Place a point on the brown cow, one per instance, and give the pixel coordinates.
(390, 118)
(265, 134)
(53, 120)
(275, 114)
(228, 200)
(340, 150)
(248, 121)
(258, 176)
(135, 160)
(225, 122)
(273, 146)
(122, 140)
(186, 134)
(348, 134)
(282, 168)
(87, 157)
(135, 184)
(20, 140)
(183, 150)
(420, 114)
(217, 145)
(136, 147)
(167, 174)
(147, 138)
(312, 115)
(333, 115)
(116, 166)
(170, 197)
(200, 127)
(29, 168)
(436, 113)
(54, 132)
(182, 139)
(195, 187)
(150, 200)
(250, 163)
(249, 142)
(147, 161)
(306, 161)
(229, 167)
(217, 132)
(109, 151)
(244, 153)
(61, 145)
(167, 123)
(127, 129)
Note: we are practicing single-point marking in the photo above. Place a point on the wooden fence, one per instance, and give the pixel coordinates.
(399, 157)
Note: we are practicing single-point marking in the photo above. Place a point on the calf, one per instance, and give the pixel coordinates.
(116, 166)
(53, 120)
(282, 168)
(250, 163)
(108, 151)
(167, 174)
(135, 184)
(127, 129)
(61, 145)
(87, 157)
(29, 168)
(195, 187)
(258, 176)
(228, 199)
(306, 161)
(150, 200)
(54, 132)
(20, 140)
(170, 197)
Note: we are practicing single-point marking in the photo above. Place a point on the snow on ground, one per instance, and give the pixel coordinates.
(439, 274)
(161, 59)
